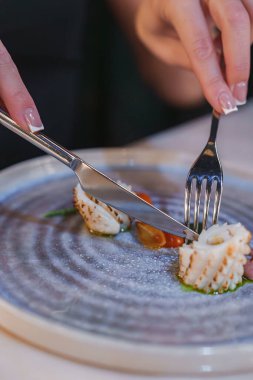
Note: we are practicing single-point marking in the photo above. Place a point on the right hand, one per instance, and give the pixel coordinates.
(179, 32)
(14, 95)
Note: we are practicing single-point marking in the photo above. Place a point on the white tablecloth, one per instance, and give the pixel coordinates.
(20, 361)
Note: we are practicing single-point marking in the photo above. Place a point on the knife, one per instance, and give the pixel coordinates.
(101, 186)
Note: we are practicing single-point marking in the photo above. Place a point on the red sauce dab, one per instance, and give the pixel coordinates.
(173, 241)
(151, 237)
(145, 197)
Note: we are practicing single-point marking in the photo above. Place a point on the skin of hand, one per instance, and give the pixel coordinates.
(14, 96)
(184, 33)
(176, 85)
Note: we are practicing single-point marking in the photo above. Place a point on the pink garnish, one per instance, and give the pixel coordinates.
(248, 269)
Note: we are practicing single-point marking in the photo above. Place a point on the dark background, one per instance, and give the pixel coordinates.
(83, 77)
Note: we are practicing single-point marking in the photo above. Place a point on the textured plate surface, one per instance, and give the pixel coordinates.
(113, 289)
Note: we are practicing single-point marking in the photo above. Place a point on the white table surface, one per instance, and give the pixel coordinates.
(21, 361)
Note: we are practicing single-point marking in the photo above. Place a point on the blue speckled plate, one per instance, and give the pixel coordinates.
(110, 301)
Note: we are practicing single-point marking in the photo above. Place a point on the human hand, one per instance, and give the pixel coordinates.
(14, 96)
(181, 32)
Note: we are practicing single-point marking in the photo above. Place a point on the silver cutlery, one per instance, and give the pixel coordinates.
(102, 187)
(205, 176)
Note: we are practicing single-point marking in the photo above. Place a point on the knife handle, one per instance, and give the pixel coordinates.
(43, 142)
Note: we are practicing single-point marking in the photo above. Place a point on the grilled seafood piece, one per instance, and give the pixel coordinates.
(99, 217)
(215, 263)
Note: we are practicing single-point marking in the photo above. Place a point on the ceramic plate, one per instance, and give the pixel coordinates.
(110, 301)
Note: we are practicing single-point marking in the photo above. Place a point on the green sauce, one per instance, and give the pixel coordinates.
(189, 288)
(125, 229)
(62, 212)
(199, 229)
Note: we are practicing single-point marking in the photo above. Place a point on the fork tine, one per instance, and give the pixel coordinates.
(207, 167)
(206, 202)
(187, 202)
(197, 203)
(217, 201)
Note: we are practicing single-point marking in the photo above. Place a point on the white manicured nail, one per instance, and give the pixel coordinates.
(240, 91)
(33, 120)
(227, 103)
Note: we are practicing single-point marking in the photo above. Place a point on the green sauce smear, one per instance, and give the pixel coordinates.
(61, 212)
(189, 288)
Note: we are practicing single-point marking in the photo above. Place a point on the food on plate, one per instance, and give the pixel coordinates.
(61, 212)
(145, 197)
(99, 217)
(248, 267)
(215, 263)
(150, 236)
(106, 220)
(173, 241)
(153, 238)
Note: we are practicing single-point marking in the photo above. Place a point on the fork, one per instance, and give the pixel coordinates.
(207, 168)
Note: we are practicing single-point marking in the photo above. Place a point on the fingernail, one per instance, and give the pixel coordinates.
(239, 91)
(33, 120)
(227, 103)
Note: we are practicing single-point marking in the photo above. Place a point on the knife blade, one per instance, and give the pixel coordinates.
(101, 186)
(120, 197)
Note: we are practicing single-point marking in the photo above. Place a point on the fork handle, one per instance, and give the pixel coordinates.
(43, 142)
(214, 126)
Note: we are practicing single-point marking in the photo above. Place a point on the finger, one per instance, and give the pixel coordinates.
(15, 96)
(233, 21)
(191, 26)
(157, 37)
(248, 4)
(167, 49)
